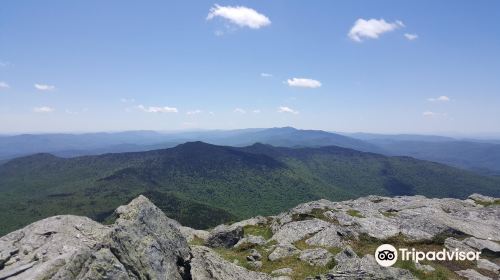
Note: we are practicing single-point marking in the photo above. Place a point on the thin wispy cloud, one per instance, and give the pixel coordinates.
(430, 114)
(194, 112)
(303, 83)
(239, 111)
(284, 109)
(153, 109)
(43, 109)
(442, 98)
(266, 75)
(410, 36)
(4, 63)
(4, 85)
(240, 16)
(127, 100)
(256, 111)
(372, 28)
(44, 87)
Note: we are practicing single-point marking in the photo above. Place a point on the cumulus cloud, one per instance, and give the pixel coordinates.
(153, 109)
(284, 109)
(240, 111)
(442, 98)
(410, 36)
(4, 85)
(44, 87)
(303, 82)
(372, 28)
(43, 109)
(193, 112)
(240, 16)
(266, 75)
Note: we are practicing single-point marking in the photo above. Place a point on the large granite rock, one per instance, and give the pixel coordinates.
(141, 244)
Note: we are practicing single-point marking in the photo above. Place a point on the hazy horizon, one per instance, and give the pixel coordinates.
(456, 135)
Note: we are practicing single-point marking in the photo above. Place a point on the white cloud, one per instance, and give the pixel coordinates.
(442, 98)
(152, 109)
(372, 28)
(240, 111)
(4, 85)
(410, 36)
(127, 100)
(266, 75)
(303, 82)
(256, 111)
(194, 112)
(430, 114)
(43, 109)
(284, 109)
(44, 87)
(239, 15)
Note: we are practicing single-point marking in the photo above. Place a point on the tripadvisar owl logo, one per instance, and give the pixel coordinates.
(386, 255)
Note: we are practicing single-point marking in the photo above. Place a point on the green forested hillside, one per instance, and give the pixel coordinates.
(202, 185)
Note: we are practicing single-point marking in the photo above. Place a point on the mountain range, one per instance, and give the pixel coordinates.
(481, 156)
(202, 185)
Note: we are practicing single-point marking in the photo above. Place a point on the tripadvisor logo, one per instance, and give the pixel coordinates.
(386, 255)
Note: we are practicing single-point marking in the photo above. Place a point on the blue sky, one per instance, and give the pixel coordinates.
(370, 66)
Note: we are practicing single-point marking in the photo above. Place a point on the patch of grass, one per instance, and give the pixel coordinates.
(258, 230)
(440, 272)
(488, 203)
(197, 241)
(301, 269)
(355, 213)
(389, 214)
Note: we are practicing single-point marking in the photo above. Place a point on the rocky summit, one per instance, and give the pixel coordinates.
(315, 240)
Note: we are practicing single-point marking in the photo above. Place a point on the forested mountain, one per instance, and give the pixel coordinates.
(202, 184)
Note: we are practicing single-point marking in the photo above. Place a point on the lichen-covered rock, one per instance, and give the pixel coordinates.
(282, 251)
(328, 237)
(142, 244)
(190, 233)
(471, 274)
(316, 257)
(481, 244)
(295, 231)
(250, 240)
(207, 265)
(487, 265)
(350, 266)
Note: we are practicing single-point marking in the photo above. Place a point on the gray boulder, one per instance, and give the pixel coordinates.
(207, 265)
(250, 240)
(224, 236)
(471, 274)
(328, 237)
(295, 231)
(282, 251)
(316, 257)
(142, 244)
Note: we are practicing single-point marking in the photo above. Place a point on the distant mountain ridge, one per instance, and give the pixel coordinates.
(482, 156)
(218, 183)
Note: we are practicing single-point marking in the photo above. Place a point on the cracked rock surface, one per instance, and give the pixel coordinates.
(320, 235)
